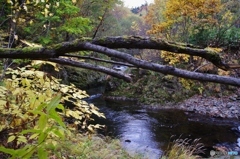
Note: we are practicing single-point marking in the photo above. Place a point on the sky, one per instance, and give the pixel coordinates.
(136, 3)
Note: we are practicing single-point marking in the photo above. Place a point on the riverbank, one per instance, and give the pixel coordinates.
(222, 106)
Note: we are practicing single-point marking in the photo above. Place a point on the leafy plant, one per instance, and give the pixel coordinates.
(32, 117)
(47, 130)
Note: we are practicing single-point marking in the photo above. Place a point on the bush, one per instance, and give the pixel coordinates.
(32, 115)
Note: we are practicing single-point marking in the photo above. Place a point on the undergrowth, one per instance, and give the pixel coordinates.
(184, 149)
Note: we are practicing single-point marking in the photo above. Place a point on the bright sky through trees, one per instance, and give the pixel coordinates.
(136, 3)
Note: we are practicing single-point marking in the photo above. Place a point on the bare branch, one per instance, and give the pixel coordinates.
(102, 69)
(98, 59)
(160, 44)
(162, 68)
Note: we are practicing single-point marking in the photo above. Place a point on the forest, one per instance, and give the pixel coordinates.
(52, 52)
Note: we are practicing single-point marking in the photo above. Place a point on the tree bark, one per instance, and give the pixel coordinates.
(164, 69)
(102, 69)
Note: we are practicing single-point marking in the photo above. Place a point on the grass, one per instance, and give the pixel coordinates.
(90, 147)
(184, 149)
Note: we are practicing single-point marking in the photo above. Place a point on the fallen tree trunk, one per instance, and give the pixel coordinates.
(103, 45)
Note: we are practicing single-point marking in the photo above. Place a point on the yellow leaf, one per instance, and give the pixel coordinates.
(17, 122)
(8, 1)
(27, 73)
(90, 128)
(39, 74)
(64, 90)
(55, 143)
(31, 22)
(16, 37)
(98, 126)
(2, 102)
(25, 8)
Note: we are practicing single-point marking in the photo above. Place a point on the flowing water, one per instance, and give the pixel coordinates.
(148, 132)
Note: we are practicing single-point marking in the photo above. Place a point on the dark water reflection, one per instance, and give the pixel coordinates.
(149, 132)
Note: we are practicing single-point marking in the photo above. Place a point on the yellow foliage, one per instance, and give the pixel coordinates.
(173, 58)
(187, 84)
(154, 12)
(32, 117)
(181, 17)
(223, 73)
(213, 49)
(28, 88)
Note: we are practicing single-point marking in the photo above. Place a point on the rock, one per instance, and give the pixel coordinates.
(229, 105)
(127, 140)
(232, 98)
(224, 107)
(232, 108)
(235, 96)
(215, 103)
(235, 112)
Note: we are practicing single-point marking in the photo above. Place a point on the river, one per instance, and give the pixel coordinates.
(149, 132)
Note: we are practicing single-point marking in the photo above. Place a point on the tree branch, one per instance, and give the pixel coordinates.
(52, 53)
(102, 69)
(162, 68)
(100, 60)
(116, 42)
(131, 42)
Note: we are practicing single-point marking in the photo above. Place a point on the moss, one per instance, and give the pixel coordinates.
(29, 49)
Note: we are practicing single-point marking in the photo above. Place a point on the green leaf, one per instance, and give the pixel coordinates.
(42, 122)
(34, 136)
(31, 131)
(42, 153)
(59, 133)
(11, 138)
(54, 103)
(54, 115)
(29, 153)
(42, 137)
(7, 150)
(25, 152)
(37, 112)
(61, 107)
(41, 107)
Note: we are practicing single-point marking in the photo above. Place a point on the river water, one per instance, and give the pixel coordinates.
(148, 132)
